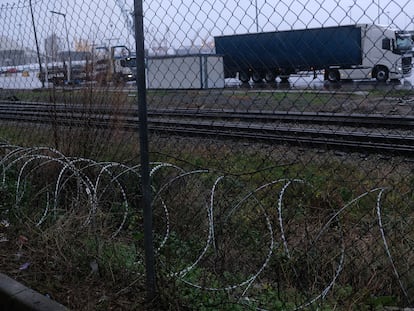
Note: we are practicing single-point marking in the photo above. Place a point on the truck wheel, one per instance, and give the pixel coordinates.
(381, 74)
(333, 75)
(57, 81)
(284, 79)
(119, 80)
(244, 77)
(270, 77)
(257, 77)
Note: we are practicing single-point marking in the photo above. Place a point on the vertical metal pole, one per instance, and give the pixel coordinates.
(70, 58)
(257, 17)
(67, 41)
(379, 12)
(37, 45)
(143, 135)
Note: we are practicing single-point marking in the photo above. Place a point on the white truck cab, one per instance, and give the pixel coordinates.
(386, 55)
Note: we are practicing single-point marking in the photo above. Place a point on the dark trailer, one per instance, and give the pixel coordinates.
(281, 53)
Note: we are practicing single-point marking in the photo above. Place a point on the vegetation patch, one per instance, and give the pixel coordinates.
(276, 237)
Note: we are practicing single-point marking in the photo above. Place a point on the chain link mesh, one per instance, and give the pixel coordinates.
(280, 146)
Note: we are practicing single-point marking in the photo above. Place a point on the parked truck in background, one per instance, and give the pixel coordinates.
(69, 67)
(115, 64)
(102, 65)
(363, 51)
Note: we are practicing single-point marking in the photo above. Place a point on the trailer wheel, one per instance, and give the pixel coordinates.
(257, 77)
(333, 75)
(381, 73)
(244, 77)
(270, 77)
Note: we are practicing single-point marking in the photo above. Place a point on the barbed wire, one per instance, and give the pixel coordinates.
(255, 110)
(29, 161)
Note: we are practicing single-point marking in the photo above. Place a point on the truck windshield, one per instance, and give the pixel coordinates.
(404, 43)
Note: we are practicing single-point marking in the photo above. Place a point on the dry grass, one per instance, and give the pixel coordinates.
(75, 257)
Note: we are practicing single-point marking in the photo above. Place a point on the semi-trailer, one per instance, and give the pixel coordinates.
(361, 51)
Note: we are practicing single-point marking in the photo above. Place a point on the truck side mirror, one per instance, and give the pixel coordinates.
(386, 44)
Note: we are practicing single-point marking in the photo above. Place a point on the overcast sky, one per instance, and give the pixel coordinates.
(185, 22)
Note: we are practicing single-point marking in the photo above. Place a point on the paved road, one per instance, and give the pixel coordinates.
(307, 81)
(29, 80)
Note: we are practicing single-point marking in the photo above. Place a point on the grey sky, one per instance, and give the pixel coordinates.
(201, 19)
(185, 22)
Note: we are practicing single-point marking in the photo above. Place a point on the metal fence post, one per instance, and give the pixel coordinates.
(143, 134)
(37, 42)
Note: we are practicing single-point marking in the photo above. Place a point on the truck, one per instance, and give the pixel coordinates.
(115, 64)
(353, 52)
(70, 67)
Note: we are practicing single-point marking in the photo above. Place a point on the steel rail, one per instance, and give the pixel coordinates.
(218, 127)
(321, 118)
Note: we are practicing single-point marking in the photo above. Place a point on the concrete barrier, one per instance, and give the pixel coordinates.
(17, 297)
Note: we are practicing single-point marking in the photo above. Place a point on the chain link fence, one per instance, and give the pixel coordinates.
(280, 148)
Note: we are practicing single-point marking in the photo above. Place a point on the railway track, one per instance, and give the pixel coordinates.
(322, 118)
(354, 132)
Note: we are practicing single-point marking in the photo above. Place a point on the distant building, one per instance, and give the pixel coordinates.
(52, 46)
(74, 56)
(159, 51)
(14, 54)
(188, 50)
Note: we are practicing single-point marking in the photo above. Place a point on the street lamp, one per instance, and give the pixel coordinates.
(37, 43)
(67, 40)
